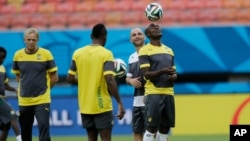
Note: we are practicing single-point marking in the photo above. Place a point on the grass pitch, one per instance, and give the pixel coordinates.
(130, 138)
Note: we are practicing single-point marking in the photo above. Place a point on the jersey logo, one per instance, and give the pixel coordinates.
(39, 56)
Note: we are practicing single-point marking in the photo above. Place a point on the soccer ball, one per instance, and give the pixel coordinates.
(120, 68)
(153, 11)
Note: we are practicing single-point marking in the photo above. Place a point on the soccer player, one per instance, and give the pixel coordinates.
(158, 68)
(135, 79)
(94, 67)
(8, 117)
(36, 73)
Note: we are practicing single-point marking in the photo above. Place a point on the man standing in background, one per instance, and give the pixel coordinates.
(135, 79)
(36, 73)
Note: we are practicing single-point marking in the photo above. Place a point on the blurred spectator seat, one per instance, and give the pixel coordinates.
(8, 9)
(58, 21)
(195, 4)
(65, 7)
(16, 3)
(207, 16)
(177, 4)
(34, 1)
(122, 5)
(131, 18)
(46, 8)
(139, 5)
(113, 19)
(29, 8)
(243, 16)
(103, 6)
(20, 22)
(231, 3)
(188, 17)
(94, 18)
(5, 22)
(39, 21)
(171, 17)
(213, 3)
(77, 20)
(84, 6)
(245, 3)
(226, 16)
(3, 1)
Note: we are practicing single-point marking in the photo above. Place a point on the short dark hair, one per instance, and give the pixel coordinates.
(2, 49)
(99, 30)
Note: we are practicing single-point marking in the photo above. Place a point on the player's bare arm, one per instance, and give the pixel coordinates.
(113, 90)
(53, 78)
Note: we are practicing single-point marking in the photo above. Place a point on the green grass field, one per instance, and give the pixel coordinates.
(129, 138)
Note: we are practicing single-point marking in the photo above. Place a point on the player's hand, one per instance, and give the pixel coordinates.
(173, 77)
(135, 82)
(121, 111)
(169, 71)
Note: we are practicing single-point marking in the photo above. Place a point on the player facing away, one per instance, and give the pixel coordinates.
(158, 68)
(135, 79)
(36, 73)
(8, 117)
(94, 67)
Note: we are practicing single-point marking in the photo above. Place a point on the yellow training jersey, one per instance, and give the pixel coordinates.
(34, 85)
(157, 58)
(90, 64)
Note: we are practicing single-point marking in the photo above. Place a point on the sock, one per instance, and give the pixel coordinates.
(161, 137)
(148, 136)
(18, 138)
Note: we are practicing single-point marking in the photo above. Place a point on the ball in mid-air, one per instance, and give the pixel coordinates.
(153, 11)
(120, 68)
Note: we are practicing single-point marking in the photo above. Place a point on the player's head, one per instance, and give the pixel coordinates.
(3, 54)
(31, 37)
(153, 31)
(99, 34)
(137, 37)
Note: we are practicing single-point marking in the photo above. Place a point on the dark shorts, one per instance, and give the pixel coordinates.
(160, 110)
(98, 121)
(138, 119)
(7, 113)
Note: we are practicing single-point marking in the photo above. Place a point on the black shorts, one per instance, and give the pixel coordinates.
(98, 121)
(7, 113)
(138, 119)
(160, 110)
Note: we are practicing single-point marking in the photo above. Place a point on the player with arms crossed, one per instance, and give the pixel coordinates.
(8, 117)
(135, 79)
(158, 68)
(94, 67)
(36, 73)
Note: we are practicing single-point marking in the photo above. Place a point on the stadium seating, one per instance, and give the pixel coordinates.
(188, 17)
(231, 3)
(76, 20)
(65, 7)
(130, 18)
(122, 5)
(18, 22)
(46, 8)
(177, 4)
(58, 21)
(195, 4)
(113, 19)
(102, 6)
(243, 16)
(207, 16)
(93, 18)
(40, 21)
(8, 9)
(5, 22)
(212, 3)
(245, 4)
(81, 7)
(29, 8)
